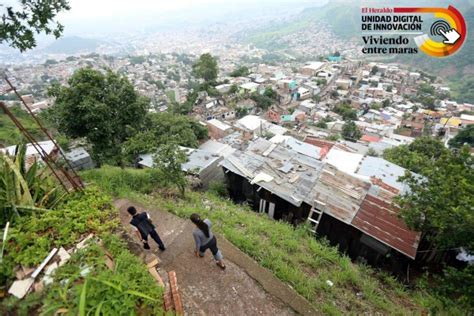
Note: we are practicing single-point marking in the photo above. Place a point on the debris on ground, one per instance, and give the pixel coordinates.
(26, 276)
(172, 297)
(63, 255)
(20, 288)
(152, 269)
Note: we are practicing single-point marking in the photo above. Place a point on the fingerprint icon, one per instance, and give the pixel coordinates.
(438, 27)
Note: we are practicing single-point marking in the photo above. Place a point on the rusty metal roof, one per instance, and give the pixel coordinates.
(341, 193)
(351, 199)
(378, 219)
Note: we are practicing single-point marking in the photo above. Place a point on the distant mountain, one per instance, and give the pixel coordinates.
(343, 17)
(73, 45)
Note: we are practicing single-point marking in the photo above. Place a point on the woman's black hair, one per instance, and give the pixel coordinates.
(132, 210)
(196, 219)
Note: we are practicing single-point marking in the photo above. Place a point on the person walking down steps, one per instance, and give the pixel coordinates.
(142, 225)
(205, 239)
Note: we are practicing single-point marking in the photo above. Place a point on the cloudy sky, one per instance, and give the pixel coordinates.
(125, 15)
(104, 18)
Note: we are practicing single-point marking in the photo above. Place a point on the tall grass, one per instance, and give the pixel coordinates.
(118, 181)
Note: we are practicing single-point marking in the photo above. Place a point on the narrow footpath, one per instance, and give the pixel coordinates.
(244, 288)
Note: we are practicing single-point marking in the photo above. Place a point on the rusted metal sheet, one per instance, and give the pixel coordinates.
(378, 219)
(341, 193)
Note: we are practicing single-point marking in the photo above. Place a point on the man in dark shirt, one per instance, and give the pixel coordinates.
(142, 225)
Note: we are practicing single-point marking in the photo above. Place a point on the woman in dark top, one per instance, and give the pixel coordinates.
(205, 239)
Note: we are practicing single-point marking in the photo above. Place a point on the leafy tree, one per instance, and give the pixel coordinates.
(417, 156)
(456, 283)
(240, 72)
(262, 101)
(19, 25)
(164, 128)
(371, 152)
(233, 89)
(345, 111)
(375, 106)
(316, 98)
(209, 88)
(441, 204)
(385, 103)
(269, 92)
(333, 137)
(168, 160)
(241, 111)
(465, 136)
(206, 68)
(187, 106)
(374, 70)
(321, 124)
(320, 82)
(350, 131)
(103, 108)
(173, 76)
(426, 88)
(428, 102)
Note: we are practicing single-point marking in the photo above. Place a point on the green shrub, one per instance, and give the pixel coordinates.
(117, 181)
(123, 291)
(219, 189)
(128, 289)
(33, 237)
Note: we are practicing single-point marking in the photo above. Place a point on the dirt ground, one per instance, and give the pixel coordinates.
(244, 288)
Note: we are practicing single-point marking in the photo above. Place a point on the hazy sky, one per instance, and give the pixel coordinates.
(105, 8)
(97, 17)
(101, 18)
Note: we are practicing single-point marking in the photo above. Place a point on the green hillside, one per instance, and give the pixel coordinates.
(73, 45)
(457, 69)
(343, 18)
(292, 255)
(10, 134)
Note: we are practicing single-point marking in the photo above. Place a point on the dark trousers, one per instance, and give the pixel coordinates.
(212, 245)
(154, 235)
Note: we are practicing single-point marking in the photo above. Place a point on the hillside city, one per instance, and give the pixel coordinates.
(333, 183)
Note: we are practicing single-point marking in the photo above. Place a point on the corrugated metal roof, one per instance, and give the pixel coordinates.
(383, 170)
(303, 148)
(343, 160)
(341, 192)
(198, 160)
(351, 199)
(218, 148)
(292, 185)
(378, 219)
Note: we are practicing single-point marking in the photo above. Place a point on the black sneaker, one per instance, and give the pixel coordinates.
(162, 248)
